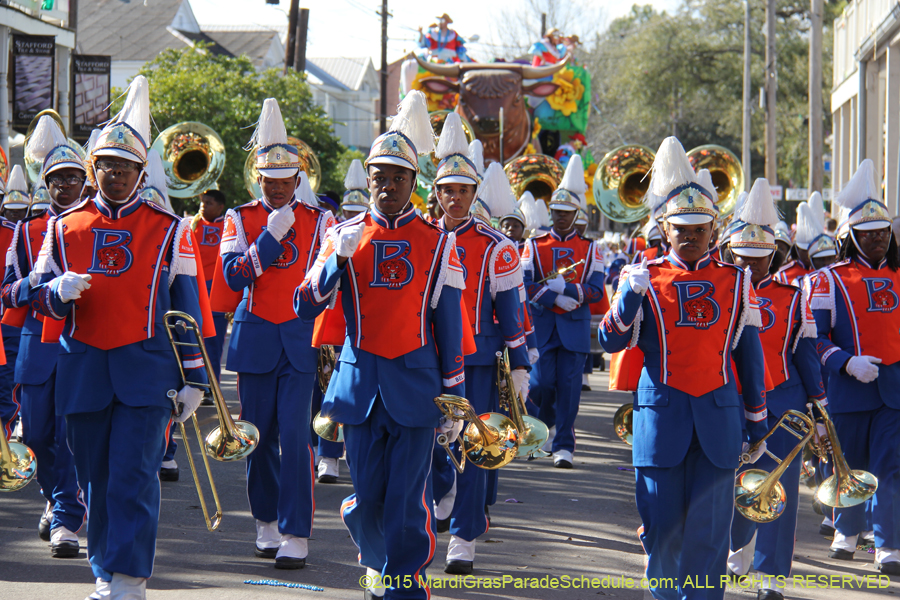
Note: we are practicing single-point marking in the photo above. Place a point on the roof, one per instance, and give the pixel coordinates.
(121, 30)
(255, 43)
(348, 71)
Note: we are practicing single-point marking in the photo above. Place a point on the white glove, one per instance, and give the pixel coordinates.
(533, 355)
(69, 285)
(521, 379)
(557, 285)
(280, 221)
(754, 456)
(566, 303)
(451, 428)
(639, 278)
(187, 401)
(348, 239)
(864, 368)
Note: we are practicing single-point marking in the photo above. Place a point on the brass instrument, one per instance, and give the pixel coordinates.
(490, 441)
(309, 164)
(33, 167)
(18, 465)
(325, 366)
(846, 487)
(620, 182)
(536, 173)
(727, 174)
(564, 272)
(327, 429)
(428, 163)
(533, 433)
(759, 495)
(193, 157)
(231, 440)
(622, 423)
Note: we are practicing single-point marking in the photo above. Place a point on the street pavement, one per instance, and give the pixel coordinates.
(548, 523)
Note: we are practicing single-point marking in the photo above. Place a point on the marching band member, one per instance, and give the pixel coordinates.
(356, 198)
(783, 245)
(389, 261)
(13, 209)
(35, 367)
(788, 336)
(858, 343)
(115, 362)
(207, 226)
(685, 311)
(40, 200)
(490, 264)
(560, 310)
(267, 246)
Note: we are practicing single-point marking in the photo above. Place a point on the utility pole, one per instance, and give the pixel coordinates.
(816, 166)
(300, 51)
(382, 118)
(745, 128)
(291, 36)
(543, 24)
(771, 89)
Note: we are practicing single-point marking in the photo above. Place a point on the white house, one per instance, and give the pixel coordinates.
(348, 89)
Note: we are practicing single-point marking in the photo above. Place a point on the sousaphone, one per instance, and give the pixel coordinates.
(536, 173)
(727, 174)
(621, 181)
(193, 157)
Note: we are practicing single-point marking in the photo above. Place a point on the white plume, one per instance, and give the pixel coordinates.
(807, 226)
(671, 168)
(817, 204)
(408, 71)
(704, 180)
(270, 128)
(136, 110)
(759, 208)
(496, 193)
(573, 180)
(304, 192)
(652, 201)
(543, 212)
(476, 155)
(529, 209)
(46, 136)
(356, 176)
(742, 198)
(16, 182)
(861, 186)
(92, 141)
(156, 177)
(453, 138)
(413, 122)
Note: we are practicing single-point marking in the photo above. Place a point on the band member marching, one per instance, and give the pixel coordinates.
(859, 344)
(389, 262)
(35, 367)
(267, 247)
(13, 209)
(788, 335)
(691, 316)
(490, 263)
(115, 362)
(560, 310)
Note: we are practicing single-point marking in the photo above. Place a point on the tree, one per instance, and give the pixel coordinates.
(226, 94)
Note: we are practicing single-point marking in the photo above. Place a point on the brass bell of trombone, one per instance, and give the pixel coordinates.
(536, 173)
(193, 157)
(846, 487)
(309, 163)
(18, 465)
(428, 163)
(620, 182)
(727, 174)
(490, 441)
(758, 495)
(533, 433)
(327, 429)
(622, 423)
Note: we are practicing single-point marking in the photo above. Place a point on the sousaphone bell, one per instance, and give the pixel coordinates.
(193, 157)
(727, 174)
(536, 173)
(620, 182)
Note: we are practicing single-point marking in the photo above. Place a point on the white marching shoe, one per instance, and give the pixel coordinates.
(329, 470)
(376, 585)
(125, 587)
(292, 552)
(101, 591)
(268, 539)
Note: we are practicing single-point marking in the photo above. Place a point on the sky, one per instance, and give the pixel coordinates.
(351, 28)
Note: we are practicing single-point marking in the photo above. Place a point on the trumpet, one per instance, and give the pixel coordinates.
(490, 441)
(563, 272)
(846, 487)
(622, 423)
(231, 440)
(759, 495)
(325, 366)
(533, 432)
(18, 465)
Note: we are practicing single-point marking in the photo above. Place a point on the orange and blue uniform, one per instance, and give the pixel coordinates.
(688, 415)
(35, 376)
(115, 362)
(9, 406)
(400, 296)
(563, 338)
(209, 236)
(792, 272)
(271, 350)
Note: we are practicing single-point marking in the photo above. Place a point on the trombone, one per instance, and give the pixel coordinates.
(759, 495)
(18, 465)
(489, 442)
(563, 272)
(231, 440)
(846, 487)
(533, 433)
